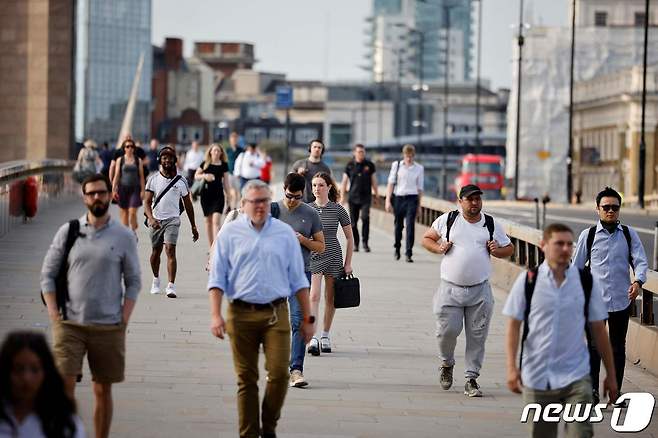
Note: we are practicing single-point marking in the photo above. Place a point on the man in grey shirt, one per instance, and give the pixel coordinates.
(103, 282)
(309, 167)
(307, 225)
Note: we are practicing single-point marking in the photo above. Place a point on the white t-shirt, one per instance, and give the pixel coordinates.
(468, 262)
(167, 208)
(193, 159)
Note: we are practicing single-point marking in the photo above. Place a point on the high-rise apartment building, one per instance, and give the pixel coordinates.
(111, 38)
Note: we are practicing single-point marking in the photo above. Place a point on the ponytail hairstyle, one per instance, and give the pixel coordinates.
(334, 195)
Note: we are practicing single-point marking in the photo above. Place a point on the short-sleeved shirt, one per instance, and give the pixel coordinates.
(312, 169)
(555, 352)
(218, 171)
(305, 221)
(360, 176)
(330, 262)
(167, 208)
(468, 262)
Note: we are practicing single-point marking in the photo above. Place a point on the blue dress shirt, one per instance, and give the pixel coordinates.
(257, 266)
(555, 353)
(610, 263)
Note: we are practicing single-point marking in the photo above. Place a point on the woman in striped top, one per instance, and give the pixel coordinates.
(329, 263)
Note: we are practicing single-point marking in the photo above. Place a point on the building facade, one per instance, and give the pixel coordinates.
(111, 38)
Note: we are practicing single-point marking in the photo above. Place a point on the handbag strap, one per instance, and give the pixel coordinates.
(397, 169)
(166, 189)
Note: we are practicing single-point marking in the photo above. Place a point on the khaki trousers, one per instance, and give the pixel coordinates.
(248, 329)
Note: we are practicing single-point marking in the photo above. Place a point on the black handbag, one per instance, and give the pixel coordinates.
(347, 292)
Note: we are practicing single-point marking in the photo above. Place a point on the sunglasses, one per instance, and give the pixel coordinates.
(609, 207)
(296, 197)
(129, 146)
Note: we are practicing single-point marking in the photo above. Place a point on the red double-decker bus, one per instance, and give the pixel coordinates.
(485, 171)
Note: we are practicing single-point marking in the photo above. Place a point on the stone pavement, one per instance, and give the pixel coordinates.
(381, 381)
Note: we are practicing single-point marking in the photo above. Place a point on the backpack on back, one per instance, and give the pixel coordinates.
(590, 242)
(452, 217)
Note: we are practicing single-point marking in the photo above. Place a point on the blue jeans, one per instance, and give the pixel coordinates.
(297, 347)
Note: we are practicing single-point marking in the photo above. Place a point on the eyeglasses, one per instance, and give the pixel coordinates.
(96, 193)
(296, 197)
(608, 207)
(258, 201)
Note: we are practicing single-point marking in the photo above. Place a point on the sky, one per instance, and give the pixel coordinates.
(325, 40)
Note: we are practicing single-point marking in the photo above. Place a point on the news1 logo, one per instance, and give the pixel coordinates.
(637, 418)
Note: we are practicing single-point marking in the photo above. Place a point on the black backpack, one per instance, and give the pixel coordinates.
(275, 210)
(530, 283)
(452, 217)
(61, 281)
(590, 241)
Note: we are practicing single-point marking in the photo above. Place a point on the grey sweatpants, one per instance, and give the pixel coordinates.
(470, 306)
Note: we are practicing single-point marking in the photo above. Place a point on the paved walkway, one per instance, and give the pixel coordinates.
(381, 381)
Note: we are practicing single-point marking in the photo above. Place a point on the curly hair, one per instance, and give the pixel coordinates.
(53, 407)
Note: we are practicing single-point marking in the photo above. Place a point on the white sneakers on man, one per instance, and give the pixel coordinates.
(155, 286)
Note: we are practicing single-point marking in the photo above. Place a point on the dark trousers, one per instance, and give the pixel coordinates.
(618, 327)
(355, 212)
(405, 214)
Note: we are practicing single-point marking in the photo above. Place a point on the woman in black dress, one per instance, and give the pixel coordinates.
(215, 193)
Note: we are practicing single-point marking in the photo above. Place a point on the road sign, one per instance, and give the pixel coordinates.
(284, 96)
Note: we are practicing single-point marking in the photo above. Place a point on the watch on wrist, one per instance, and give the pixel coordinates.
(309, 319)
(638, 282)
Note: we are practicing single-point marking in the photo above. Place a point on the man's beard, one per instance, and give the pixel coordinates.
(98, 209)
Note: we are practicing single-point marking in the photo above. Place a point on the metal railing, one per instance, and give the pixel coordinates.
(53, 179)
(527, 252)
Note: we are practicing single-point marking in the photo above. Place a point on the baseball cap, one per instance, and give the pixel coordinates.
(468, 190)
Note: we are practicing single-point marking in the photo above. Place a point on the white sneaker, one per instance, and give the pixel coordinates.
(155, 286)
(171, 290)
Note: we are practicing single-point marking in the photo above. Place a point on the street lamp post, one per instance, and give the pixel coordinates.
(570, 150)
(477, 88)
(446, 70)
(518, 102)
(643, 145)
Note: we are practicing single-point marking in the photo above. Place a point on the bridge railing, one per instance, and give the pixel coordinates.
(527, 252)
(54, 182)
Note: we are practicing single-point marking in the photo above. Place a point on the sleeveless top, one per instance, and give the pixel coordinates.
(129, 174)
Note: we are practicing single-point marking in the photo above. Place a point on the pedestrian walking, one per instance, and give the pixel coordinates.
(307, 226)
(555, 302)
(311, 166)
(105, 155)
(233, 151)
(607, 249)
(248, 164)
(128, 185)
(34, 402)
(403, 197)
(88, 162)
(167, 195)
(215, 194)
(266, 172)
(103, 283)
(151, 159)
(193, 159)
(328, 264)
(257, 264)
(360, 174)
(119, 152)
(467, 238)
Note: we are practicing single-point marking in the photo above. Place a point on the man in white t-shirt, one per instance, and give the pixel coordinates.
(164, 218)
(248, 165)
(464, 295)
(193, 160)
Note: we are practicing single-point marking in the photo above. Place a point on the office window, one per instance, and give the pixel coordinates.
(600, 18)
(639, 19)
(340, 134)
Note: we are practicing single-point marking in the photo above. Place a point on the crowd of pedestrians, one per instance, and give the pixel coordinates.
(268, 261)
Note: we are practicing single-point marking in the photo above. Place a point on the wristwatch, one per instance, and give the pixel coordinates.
(309, 319)
(638, 282)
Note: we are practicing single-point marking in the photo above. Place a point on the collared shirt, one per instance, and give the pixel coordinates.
(257, 266)
(101, 262)
(610, 264)
(410, 179)
(555, 353)
(248, 165)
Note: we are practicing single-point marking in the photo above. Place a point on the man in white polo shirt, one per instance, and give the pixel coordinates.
(467, 239)
(554, 302)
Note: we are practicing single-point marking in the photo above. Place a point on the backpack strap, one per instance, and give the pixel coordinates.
(489, 223)
(452, 217)
(590, 242)
(71, 236)
(529, 290)
(275, 210)
(627, 235)
(586, 282)
(166, 189)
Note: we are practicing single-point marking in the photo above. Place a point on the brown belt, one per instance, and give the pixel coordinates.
(254, 306)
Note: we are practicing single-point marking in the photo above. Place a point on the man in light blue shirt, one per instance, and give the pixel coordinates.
(555, 358)
(605, 249)
(257, 263)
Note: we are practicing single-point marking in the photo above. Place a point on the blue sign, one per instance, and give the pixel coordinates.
(284, 96)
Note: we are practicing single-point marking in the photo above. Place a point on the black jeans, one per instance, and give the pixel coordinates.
(405, 211)
(618, 327)
(355, 212)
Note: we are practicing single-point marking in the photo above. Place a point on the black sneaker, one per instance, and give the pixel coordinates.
(396, 255)
(409, 259)
(595, 396)
(445, 378)
(366, 248)
(472, 389)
